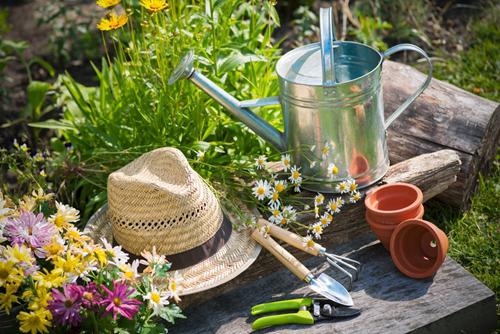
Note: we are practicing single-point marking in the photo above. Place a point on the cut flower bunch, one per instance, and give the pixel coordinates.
(54, 277)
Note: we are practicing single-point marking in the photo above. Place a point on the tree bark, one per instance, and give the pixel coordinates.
(443, 117)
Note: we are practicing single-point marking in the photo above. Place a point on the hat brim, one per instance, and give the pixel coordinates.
(237, 254)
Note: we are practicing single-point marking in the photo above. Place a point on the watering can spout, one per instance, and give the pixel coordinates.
(240, 109)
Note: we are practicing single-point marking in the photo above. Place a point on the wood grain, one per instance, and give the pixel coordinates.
(432, 172)
(453, 301)
(443, 117)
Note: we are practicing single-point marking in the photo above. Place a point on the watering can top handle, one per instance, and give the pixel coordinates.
(327, 37)
(404, 106)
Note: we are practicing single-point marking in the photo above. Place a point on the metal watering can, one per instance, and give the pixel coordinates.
(331, 98)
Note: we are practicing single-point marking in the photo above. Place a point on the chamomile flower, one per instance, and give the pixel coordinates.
(317, 230)
(342, 187)
(340, 202)
(157, 300)
(64, 216)
(332, 206)
(316, 211)
(289, 212)
(296, 188)
(283, 222)
(319, 199)
(274, 196)
(285, 162)
(352, 185)
(200, 155)
(355, 196)
(308, 242)
(325, 151)
(279, 185)
(152, 258)
(115, 254)
(324, 221)
(173, 286)
(260, 162)
(128, 272)
(332, 170)
(261, 190)
(275, 218)
(295, 175)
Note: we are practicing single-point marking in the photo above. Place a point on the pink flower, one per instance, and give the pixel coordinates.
(91, 297)
(65, 307)
(118, 301)
(30, 229)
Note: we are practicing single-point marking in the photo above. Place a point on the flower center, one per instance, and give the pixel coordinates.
(117, 301)
(88, 295)
(155, 297)
(295, 175)
(276, 195)
(68, 303)
(260, 191)
(4, 273)
(34, 321)
(128, 274)
(59, 221)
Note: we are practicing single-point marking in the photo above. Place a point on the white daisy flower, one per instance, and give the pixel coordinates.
(274, 196)
(332, 170)
(317, 230)
(296, 188)
(200, 155)
(340, 202)
(279, 185)
(285, 162)
(319, 199)
(275, 218)
(115, 254)
(260, 162)
(316, 211)
(325, 151)
(64, 215)
(332, 206)
(324, 221)
(352, 186)
(283, 221)
(157, 300)
(173, 285)
(295, 175)
(261, 190)
(342, 187)
(128, 272)
(307, 207)
(289, 212)
(308, 242)
(355, 196)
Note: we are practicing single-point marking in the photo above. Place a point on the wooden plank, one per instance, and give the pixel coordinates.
(444, 116)
(432, 172)
(452, 302)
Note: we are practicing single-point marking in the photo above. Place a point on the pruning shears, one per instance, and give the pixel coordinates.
(309, 311)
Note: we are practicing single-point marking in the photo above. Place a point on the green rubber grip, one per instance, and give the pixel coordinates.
(292, 304)
(301, 317)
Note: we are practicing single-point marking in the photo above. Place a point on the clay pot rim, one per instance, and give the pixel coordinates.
(392, 245)
(418, 201)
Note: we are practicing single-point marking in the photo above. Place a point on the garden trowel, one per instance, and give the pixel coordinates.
(323, 284)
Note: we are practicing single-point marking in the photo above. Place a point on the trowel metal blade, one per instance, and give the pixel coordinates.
(331, 289)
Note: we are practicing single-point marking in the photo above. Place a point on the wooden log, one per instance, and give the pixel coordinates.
(432, 172)
(443, 117)
(453, 301)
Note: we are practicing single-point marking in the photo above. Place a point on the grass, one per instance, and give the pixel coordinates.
(474, 236)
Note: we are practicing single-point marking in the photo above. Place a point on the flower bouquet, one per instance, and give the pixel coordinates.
(55, 278)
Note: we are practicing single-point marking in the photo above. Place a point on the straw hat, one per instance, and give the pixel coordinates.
(159, 200)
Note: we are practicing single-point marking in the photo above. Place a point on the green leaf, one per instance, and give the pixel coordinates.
(54, 125)
(236, 59)
(44, 64)
(36, 92)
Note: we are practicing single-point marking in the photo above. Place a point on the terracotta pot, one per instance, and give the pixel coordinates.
(394, 203)
(418, 248)
(382, 231)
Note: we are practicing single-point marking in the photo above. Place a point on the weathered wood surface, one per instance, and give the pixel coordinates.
(432, 172)
(443, 117)
(452, 302)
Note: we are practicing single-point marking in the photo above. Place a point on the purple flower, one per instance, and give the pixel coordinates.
(91, 297)
(30, 229)
(65, 307)
(118, 302)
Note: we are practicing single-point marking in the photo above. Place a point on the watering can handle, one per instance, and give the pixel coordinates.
(401, 108)
(327, 37)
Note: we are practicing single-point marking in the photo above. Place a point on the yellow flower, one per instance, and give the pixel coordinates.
(54, 248)
(154, 5)
(100, 255)
(34, 322)
(6, 300)
(18, 254)
(10, 275)
(27, 203)
(107, 3)
(64, 216)
(70, 264)
(74, 235)
(112, 21)
(41, 300)
(50, 279)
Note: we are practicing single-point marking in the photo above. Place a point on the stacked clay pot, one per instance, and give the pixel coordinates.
(394, 212)
(391, 204)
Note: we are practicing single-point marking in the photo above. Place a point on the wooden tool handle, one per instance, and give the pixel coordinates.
(290, 238)
(281, 254)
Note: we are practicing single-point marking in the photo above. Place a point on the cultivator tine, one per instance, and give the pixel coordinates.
(343, 263)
